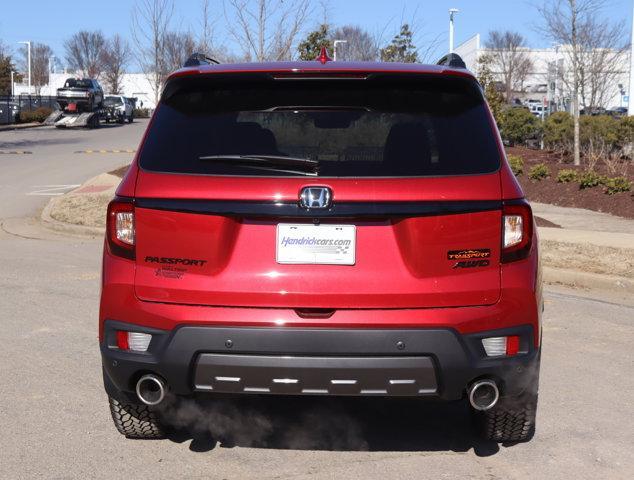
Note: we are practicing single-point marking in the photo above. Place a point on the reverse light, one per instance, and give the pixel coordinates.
(517, 230)
(498, 346)
(120, 228)
(133, 341)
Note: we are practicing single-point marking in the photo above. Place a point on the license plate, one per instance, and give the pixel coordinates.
(316, 244)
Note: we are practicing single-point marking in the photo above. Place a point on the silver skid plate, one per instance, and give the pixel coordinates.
(302, 375)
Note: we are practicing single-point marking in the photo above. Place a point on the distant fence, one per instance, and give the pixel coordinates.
(11, 106)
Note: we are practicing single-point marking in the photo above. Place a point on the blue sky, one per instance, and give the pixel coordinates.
(47, 21)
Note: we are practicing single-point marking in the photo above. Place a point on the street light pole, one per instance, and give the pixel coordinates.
(334, 44)
(12, 89)
(630, 103)
(452, 12)
(28, 44)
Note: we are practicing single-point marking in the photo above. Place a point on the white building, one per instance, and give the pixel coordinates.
(544, 84)
(134, 85)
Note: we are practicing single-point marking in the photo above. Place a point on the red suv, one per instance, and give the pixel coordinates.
(322, 228)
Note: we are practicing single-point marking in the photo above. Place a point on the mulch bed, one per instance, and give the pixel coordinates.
(550, 191)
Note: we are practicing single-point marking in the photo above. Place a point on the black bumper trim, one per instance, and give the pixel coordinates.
(457, 359)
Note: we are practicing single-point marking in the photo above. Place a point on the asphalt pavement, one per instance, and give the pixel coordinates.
(50, 162)
(54, 413)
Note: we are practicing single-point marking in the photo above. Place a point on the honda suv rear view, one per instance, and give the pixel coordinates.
(322, 228)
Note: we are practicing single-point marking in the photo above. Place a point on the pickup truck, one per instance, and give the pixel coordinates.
(85, 94)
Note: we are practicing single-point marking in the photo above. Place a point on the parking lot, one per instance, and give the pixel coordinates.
(54, 411)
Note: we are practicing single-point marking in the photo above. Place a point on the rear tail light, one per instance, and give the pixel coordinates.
(517, 230)
(120, 230)
(498, 346)
(133, 341)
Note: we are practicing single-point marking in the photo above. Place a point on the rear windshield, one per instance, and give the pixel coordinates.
(77, 83)
(113, 101)
(382, 127)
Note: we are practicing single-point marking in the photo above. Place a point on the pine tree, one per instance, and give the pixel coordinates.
(311, 46)
(401, 48)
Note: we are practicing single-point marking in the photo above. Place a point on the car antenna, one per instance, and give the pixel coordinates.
(452, 60)
(196, 59)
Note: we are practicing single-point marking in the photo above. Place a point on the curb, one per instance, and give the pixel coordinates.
(593, 281)
(69, 228)
(20, 126)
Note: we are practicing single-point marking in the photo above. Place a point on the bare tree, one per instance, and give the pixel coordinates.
(150, 26)
(360, 45)
(266, 29)
(570, 23)
(510, 58)
(40, 55)
(206, 37)
(115, 58)
(601, 54)
(84, 52)
(178, 47)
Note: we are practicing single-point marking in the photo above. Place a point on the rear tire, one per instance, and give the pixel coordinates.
(511, 420)
(135, 420)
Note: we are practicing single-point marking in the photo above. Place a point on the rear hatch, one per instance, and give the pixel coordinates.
(376, 192)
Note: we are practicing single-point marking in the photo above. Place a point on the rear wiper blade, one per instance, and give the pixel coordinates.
(268, 162)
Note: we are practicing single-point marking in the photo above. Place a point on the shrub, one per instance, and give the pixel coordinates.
(141, 113)
(38, 115)
(559, 132)
(616, 185)
(539, 172)
(517, 125)
(589, 179)
(517, 164)
(566, 175)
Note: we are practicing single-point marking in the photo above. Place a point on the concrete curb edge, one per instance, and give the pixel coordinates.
(70, 228)
(594, 281)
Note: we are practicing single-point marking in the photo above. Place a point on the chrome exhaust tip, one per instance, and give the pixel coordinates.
(150, 389)
(484, 394)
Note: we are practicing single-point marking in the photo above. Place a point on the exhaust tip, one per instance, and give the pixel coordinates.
(150, 389)
(484, 394)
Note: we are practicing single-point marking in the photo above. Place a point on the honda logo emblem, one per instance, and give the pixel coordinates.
(315, 197)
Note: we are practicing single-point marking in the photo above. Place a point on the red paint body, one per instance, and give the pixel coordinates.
(402, 277)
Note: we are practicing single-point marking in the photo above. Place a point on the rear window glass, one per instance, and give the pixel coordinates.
(113, 101)
(382, 127)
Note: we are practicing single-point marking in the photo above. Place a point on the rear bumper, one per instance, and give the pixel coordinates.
(430, 362)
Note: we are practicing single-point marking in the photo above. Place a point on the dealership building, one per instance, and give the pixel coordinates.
(544, 82)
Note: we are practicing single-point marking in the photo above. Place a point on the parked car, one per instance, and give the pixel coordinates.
(119, 108)
(321, 228)
(85, 94)
(618, 112)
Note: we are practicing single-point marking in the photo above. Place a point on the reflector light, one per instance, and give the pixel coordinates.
(512, 345)
(122, 340)
(513, 230)
(133, 341)
(498, 346)
(139, 342)
(494, 346)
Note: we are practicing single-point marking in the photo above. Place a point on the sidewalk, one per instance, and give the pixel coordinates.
(20, 126)
(591, 249)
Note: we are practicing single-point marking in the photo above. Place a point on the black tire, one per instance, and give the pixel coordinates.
(135, 420)
(511, 420)
(130, 119)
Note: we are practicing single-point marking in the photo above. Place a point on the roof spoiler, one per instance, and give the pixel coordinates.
(196, 59)
(452, 60)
